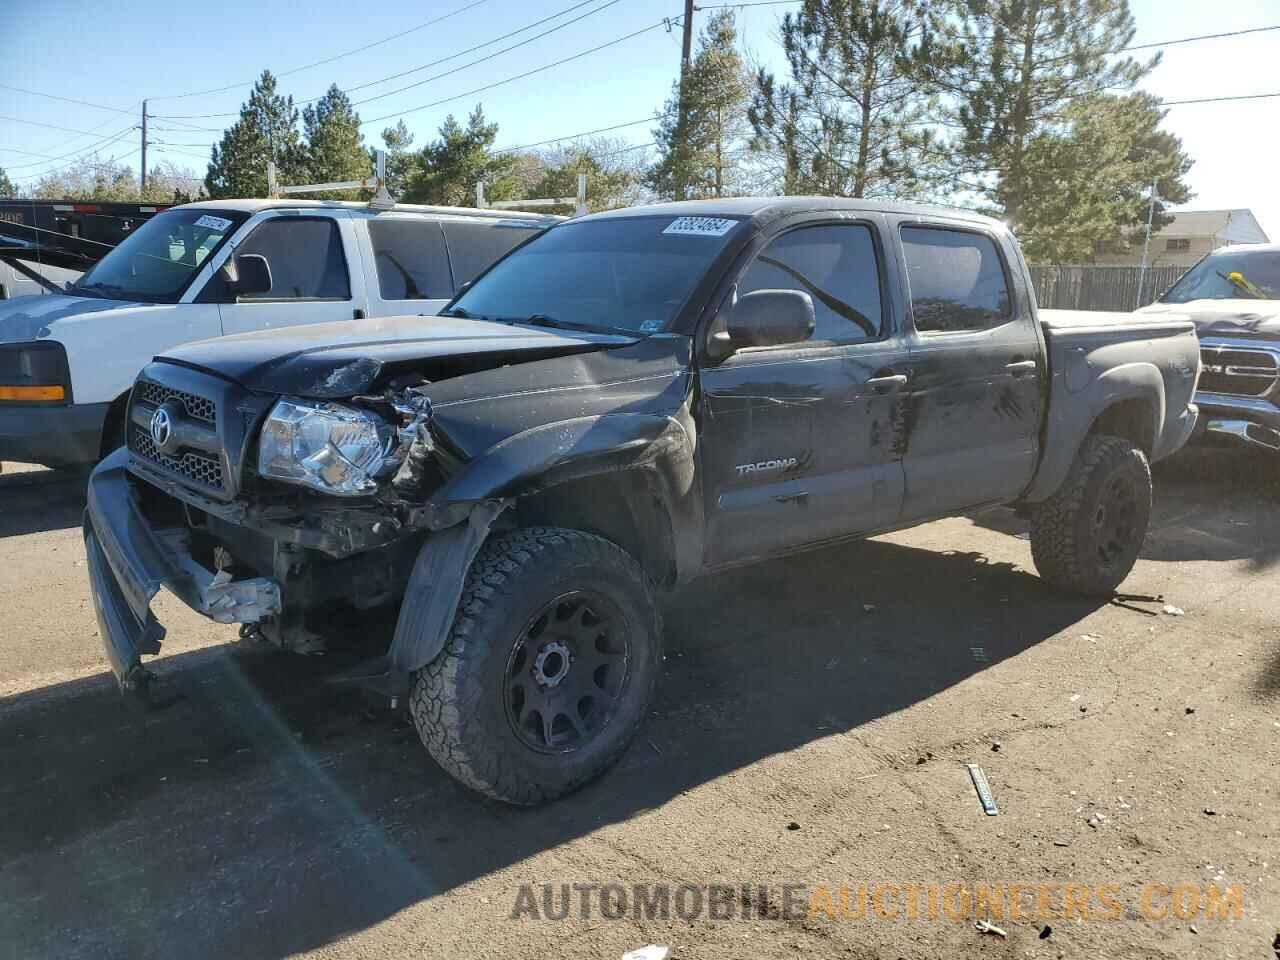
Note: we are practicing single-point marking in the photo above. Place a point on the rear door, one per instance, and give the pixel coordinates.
(977, 372)
(312, 257)
(798, 441)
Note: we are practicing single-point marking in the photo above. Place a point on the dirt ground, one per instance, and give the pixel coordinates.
(810, 730)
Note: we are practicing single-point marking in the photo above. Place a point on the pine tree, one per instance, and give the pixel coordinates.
(402, 162)
(450, 167)
(852, 120)
(1014, 67)
(1089, 186)
(7, 189)
(335, 147)
(704, 119)
(267, 130)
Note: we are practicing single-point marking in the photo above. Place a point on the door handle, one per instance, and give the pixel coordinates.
(1020, 368)
(357, 314)
(889, 382)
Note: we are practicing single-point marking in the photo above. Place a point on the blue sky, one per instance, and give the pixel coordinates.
(146, 48)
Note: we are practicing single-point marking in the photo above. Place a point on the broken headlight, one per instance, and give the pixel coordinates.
(325, 446)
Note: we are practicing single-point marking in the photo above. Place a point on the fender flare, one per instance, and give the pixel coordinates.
(1072, 416)
(525, 463)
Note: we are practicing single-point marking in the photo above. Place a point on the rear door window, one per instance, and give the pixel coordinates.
(411, 259)
(306, 259)
(473, 247)
(957, 280)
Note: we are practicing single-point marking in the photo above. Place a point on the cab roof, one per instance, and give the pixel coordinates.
(255, 205)
(768, 208)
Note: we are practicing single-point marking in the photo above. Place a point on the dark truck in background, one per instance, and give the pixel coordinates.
(1233, 297)
(624, 403)
(44, 244)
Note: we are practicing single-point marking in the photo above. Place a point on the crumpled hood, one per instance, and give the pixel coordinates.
(38, 318)
(348, 357)
(1226, 318)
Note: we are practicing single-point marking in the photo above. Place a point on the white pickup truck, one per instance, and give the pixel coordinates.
(216, 268)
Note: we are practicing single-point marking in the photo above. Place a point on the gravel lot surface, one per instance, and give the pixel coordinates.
(811, 728)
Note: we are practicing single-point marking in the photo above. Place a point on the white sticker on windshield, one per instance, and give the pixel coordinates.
(213, 223)
(700, 226)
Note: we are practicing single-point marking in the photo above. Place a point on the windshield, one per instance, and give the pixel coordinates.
(156, 262)
(631, 275)
(1247, 275)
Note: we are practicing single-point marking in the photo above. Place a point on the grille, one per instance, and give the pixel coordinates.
(1242, 373)
(197, 467)
(198, 408)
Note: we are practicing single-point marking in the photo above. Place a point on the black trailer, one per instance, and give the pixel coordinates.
(41, 239)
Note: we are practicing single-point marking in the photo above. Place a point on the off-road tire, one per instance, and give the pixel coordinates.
(1064, 545)
(458, 700)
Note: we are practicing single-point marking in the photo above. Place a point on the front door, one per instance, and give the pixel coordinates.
(312, 276)
(976, 376)
(798, 442)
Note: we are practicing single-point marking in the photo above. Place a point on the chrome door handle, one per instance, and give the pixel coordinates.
(893, 382)
(1020, 367)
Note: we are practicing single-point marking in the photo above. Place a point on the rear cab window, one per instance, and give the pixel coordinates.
(957, 280)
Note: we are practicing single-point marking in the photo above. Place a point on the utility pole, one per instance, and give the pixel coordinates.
(686, 53)
(1146, 245)
(144, 145)
(686, 50)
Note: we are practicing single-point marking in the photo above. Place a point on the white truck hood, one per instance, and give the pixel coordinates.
(41, 318)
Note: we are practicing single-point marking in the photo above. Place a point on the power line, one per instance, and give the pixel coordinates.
(1207, 36)
(50, 96)
(521, 76)
(80, 151)
(1243, 96)
(337, 56)
(51, 126)
(575, 136)
(452, 56)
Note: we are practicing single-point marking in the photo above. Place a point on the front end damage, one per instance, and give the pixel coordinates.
(282, 563)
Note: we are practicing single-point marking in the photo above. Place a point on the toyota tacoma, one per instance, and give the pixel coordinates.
(625, 402)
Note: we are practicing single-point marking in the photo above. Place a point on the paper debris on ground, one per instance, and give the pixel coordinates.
(651, 952)
(1173, 611)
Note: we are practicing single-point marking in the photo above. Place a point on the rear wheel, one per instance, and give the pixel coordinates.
(548, 669)
(1085, 538)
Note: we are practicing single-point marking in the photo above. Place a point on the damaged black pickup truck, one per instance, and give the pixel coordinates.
(623, 403)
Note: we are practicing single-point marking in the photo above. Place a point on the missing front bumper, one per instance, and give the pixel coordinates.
(129, 561)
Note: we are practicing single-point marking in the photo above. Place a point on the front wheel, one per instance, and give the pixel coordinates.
(1086, 537)
(548, 669)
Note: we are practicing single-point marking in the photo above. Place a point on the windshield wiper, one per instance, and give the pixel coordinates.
(461, 313)
(91, 287)
(545, 320)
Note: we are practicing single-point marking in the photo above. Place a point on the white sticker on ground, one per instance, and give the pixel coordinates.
(213, 223)
(700, 226)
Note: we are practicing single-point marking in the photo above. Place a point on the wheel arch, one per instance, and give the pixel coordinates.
(113, 426)
(1126, 401)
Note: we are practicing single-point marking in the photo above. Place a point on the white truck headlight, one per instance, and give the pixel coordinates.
(325, 446)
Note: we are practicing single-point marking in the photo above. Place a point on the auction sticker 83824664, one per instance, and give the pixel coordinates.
(700, 226)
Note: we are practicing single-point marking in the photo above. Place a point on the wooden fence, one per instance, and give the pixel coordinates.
(1098, 287)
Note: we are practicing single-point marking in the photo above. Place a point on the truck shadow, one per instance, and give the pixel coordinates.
(273, 813)
(33, 501)
(1209, 504)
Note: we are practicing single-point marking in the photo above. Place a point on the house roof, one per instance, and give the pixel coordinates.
(1238, 226)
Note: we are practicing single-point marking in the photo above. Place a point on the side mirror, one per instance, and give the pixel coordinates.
(770, 318)
(246, 274)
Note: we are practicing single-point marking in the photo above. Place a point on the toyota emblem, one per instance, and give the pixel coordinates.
(161, 427)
